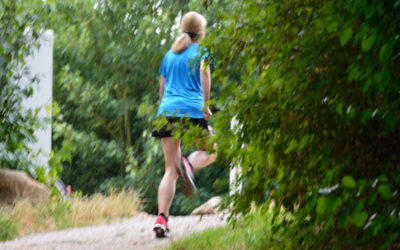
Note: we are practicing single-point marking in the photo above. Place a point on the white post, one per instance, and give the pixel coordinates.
(40, 64)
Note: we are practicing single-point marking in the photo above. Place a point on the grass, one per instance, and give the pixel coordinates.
(250, 232)
(24, 218)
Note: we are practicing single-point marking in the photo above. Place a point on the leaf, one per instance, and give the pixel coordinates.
(346, 36)
(348, 182)
(366, 86)
(277, 83)
(328, 224)
(351, 111)
(383, 178)
(358, 219)
(329, 205)
(339, 108)
(322, 204)
(354, 73)
(304, 141)
(367, 43)
(361, 185)
(292, 146)
(385, 191)
(341, 220)
(369, 11)
(48, 109)
(382, 79)
(331, 26)
(371, 199)
(386, 52)
(366, 114)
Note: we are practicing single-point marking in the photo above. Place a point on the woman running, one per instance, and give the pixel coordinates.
(184, 92)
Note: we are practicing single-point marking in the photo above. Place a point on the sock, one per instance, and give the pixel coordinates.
(163, 215)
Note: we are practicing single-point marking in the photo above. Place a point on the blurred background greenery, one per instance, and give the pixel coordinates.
(106, 60)
(314, 86)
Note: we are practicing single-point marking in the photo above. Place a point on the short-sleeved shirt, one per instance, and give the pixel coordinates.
(183, 95)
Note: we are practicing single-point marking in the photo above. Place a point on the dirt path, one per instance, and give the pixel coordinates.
(133, 233)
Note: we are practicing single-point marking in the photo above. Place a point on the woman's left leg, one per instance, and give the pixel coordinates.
(166, 189)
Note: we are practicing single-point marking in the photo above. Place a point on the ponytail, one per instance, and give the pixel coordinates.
(193, 26)
(181, 43)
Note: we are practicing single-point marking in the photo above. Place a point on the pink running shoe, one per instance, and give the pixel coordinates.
(161, 227)
(186, 177)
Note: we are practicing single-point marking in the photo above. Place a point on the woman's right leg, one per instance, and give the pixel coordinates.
(196, 160)
(166, 189)
(200, 159)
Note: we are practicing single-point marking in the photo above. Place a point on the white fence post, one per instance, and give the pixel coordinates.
(40, 64)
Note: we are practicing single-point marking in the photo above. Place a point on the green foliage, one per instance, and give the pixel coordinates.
(314, 87)
(348, 182)
(106, 62)
(8, 228)
(107, 57)
(20, 26)
(250, 232)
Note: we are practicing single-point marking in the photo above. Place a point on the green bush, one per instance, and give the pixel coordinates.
(314, 86)
(104, 68)
(21, 24)
(106, 84)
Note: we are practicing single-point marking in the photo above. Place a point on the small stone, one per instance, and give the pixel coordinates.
(210, 207)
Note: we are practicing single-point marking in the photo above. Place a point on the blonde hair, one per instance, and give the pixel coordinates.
(193, 26)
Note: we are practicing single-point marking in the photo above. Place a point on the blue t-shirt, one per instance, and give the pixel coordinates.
(183, 94)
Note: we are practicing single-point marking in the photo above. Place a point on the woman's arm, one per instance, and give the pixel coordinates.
(205, 78)
(162, 83)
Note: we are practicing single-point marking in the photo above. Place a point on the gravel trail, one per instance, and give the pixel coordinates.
(132, 233)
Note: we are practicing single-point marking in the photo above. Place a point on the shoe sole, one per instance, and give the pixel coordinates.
(161, 231)
(187, 185)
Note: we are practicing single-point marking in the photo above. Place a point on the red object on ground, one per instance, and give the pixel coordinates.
(69, 189)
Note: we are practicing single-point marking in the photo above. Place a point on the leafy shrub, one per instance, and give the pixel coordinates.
(314, 86)
(252, 231)
(21, 25)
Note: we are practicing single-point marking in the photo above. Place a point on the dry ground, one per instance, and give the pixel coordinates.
(132, 233)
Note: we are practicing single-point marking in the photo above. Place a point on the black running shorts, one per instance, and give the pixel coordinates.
(174, 123)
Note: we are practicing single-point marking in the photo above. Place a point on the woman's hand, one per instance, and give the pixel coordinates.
(206, 113)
